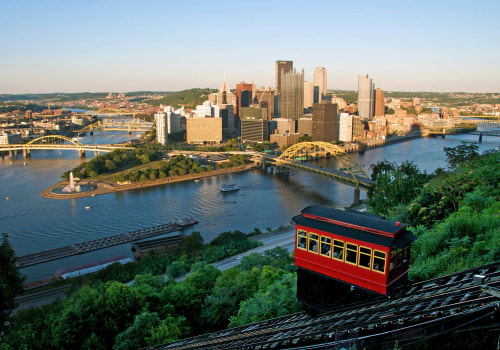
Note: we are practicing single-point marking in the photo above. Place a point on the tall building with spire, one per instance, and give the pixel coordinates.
(292, 95)
(366, 97)
(282, 67)
(320, 81)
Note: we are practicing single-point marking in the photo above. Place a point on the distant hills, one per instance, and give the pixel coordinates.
(192, 97)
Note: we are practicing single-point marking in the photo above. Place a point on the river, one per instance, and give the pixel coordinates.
(264, 201)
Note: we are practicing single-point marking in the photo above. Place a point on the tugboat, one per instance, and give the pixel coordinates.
(229, 188)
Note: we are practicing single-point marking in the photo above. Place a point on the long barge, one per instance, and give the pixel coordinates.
(105, 242)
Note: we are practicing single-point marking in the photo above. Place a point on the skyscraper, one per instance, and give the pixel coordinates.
(324, 122)
(365, 97)
(292, 95)
(248, 98)
(282, 67)
(379, 103)
(266, 100)
(320, 80)
(308, 94)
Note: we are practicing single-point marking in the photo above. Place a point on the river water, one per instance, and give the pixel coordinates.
(264, 201)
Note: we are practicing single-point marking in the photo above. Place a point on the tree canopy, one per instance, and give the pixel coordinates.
(11, 281)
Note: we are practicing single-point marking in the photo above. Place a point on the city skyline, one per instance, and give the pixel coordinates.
(122, 46)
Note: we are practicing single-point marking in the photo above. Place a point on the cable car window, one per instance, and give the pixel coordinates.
(351, 254)
(326, 246)
(378, 261)
(302, 239)
(338, 250)
(313, 243)
(365, 257)
(392, 264)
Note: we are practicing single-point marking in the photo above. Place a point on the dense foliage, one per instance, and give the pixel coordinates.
(114, 161)
(455, 213)
(11, 281)
(155, 308)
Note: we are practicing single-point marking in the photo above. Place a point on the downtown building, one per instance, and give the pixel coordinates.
(266, 99)
(379, 103)
(161, 128)
(292, 95)
(324, 122)
(282, 67)
(366, 97)
(254, 124)
(320, 81)
(244, 95)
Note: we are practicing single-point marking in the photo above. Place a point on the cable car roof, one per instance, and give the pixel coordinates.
(356, 225)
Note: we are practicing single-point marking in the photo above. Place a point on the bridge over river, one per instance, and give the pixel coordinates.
(346, 171)
(58, 142)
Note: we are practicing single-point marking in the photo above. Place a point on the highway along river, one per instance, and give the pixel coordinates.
(264, 201)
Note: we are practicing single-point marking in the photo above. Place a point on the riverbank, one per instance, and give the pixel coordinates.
(105, 187)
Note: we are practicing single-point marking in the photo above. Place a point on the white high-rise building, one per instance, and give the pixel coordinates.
(207, 110)
(345, 127)
(173, 119)
(161, 128)
(320, 81)
(366, 97)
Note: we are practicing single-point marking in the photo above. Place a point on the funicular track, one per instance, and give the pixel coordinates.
(418, 311)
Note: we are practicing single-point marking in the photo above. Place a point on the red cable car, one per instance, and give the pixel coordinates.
(335, 249)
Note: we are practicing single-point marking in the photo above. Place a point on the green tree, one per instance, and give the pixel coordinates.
(110, 165)
(11, 281)
(136, 336)
(456, 156)
(272, 300)
(394, 185)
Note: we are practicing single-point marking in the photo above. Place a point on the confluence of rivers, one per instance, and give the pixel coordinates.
(264, 201)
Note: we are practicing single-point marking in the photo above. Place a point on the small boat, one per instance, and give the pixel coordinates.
(196, 180)
(229, 188)
(183, 222)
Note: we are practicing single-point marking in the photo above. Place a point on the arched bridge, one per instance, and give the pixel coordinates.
(348, 171)
(57, 142)
(133, 125)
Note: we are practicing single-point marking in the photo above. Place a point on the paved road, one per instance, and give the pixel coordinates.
(284, 238)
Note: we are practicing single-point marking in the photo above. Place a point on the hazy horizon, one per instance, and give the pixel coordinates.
(154, 45)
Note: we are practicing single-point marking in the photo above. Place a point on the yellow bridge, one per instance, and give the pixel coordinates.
(346, 171)
(57, 142)
(130, 126)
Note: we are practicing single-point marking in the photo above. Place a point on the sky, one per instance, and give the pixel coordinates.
(165, 45)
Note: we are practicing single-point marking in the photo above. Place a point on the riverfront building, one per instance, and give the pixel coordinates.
(161, 128)
(254, 124)
(345, 127)
(204, 130)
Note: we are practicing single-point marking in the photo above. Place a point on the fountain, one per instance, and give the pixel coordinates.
(71, 188)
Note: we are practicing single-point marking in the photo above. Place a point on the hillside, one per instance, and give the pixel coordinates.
(187, 98)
